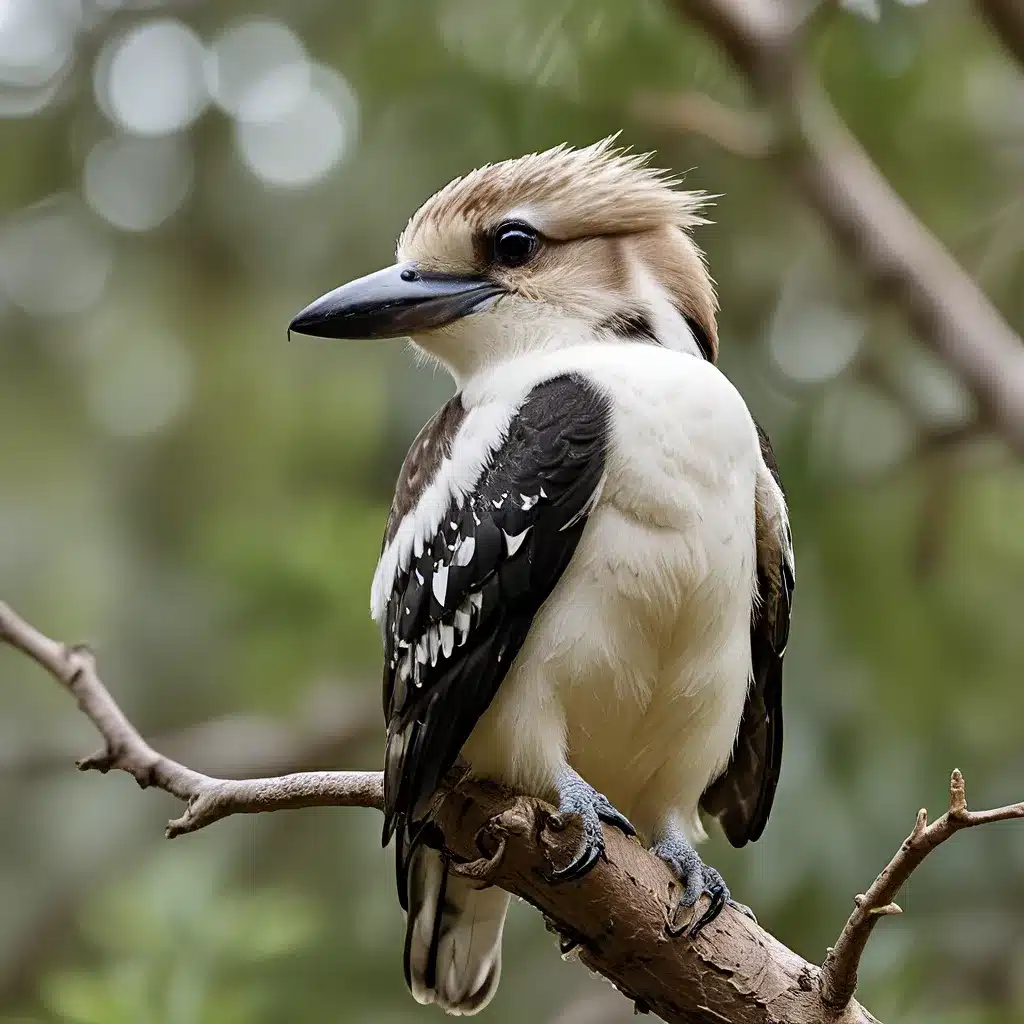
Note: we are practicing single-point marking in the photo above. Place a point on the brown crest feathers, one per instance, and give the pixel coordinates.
(565, 193)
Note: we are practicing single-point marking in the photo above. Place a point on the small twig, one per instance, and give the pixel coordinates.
(614, 915)
(208, 799)
(328, 726)
(839, 972)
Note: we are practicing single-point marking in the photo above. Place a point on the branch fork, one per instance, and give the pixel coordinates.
(839, 972)
(613, 918)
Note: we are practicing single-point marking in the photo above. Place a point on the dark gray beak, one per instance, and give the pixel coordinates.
(392, 303)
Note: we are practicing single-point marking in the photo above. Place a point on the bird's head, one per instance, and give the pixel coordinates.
(546, 251)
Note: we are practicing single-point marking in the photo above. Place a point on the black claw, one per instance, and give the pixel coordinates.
(611, 815)
(616, 820)
(697, 879)
(743, 909)
(580, 864)
(577, 798)
(673, 930)
(719, 895)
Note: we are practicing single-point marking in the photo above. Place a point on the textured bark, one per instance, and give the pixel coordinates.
(734, 972)
(619, 917)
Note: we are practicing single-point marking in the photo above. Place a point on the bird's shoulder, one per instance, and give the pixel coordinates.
(430, 447)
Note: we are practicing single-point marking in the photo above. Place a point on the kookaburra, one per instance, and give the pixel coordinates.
(585, 582)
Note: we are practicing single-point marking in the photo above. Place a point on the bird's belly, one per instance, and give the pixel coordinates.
(635, 672)
(636, 668)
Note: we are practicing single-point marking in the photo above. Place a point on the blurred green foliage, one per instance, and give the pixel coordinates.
(177, 945)
(204, 501)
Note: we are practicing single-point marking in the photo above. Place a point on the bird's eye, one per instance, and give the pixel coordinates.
(514, 244)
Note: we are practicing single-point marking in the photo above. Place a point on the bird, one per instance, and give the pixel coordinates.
(586, 577)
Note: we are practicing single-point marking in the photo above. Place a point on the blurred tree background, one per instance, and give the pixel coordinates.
(203, 501)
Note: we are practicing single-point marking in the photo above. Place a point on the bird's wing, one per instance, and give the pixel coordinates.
(741, 797)
(459, 611)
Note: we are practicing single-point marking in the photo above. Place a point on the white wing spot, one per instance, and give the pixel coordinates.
(514, 543)
(465, 553)
(463, 620)
(483, 430)
(447, 639)
(439, 585)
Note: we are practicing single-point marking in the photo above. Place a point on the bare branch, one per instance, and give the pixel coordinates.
(839, 972)
(619, 917)
(898, 256)
(208, 799)
(330, 723)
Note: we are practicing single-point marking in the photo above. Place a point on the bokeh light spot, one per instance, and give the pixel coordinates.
(36, 39)
(139, 384)
(150, 80)
(861, 433)
(308, 140)
(53, 260)
(817, 344)
(137, 183)
(257, 70)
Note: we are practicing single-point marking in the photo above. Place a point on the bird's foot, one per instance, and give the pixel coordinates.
(697, 879)
(578, 798)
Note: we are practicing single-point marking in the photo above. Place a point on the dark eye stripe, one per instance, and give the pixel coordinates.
(634, 325)
(707, 350)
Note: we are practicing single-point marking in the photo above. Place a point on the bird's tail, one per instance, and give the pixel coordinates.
(452, 936)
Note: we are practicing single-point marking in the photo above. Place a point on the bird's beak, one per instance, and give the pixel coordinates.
(392, 303)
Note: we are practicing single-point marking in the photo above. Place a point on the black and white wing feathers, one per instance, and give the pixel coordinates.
(742, 796)
(459, 613)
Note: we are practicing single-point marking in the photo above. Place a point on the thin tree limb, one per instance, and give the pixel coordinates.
(328, 724)
(620, 917)
(208, 799)
(897, 254)
(839, 972)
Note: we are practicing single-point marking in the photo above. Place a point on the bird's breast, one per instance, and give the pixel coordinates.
(637, 665)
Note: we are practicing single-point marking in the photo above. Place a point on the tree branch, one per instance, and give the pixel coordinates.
(839, 972)
(328, 725)
(208, 799)
(620, 917)
(898, 256)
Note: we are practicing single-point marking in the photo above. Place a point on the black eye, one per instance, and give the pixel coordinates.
(514, 244)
